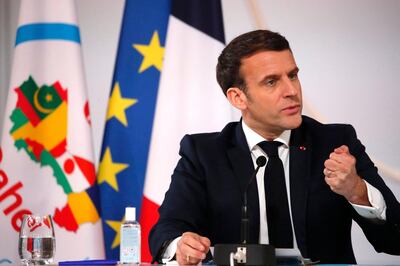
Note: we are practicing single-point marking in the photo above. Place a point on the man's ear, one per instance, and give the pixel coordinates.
(237, 98)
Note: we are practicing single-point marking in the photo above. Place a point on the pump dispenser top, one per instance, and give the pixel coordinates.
(130, 214)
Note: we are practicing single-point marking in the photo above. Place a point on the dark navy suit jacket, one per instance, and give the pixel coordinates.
(206, 190)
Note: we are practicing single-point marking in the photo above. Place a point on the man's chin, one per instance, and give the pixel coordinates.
(294, 122)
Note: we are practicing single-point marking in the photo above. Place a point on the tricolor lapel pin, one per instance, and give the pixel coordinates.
(302, 148)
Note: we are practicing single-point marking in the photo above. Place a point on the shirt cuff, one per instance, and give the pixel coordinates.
(170, 251)
(378, 209)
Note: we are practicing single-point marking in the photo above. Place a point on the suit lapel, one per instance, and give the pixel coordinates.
(300, 152)
(242, 164)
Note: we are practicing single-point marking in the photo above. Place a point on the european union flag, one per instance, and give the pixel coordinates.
(130, 114)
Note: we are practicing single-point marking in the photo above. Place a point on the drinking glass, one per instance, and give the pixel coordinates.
(37, 243)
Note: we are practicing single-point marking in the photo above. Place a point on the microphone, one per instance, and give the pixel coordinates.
(244, 253)
(260, 161)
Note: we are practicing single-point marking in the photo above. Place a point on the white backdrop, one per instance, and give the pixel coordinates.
(348, 53)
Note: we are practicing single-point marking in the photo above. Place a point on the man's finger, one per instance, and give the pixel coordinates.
(342, 149)
(333, 183)
(194, 241)
(331, 164)
(327, 172)
(206, 242)
(190, 245)
(338, 157)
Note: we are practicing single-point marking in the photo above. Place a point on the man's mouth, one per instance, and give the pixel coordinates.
(292, 109)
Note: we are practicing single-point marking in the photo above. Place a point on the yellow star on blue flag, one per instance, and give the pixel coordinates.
(153, 53)
(115, 226)
(108, 170)
(117, 105)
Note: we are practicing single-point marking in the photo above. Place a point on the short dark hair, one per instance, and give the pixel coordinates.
(247, 44)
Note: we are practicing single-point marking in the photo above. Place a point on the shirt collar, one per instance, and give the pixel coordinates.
(253, 138)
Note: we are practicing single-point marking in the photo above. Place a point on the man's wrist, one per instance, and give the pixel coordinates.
(359, 195)
(377, 211)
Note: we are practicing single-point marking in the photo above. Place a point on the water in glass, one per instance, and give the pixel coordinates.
(36, 242)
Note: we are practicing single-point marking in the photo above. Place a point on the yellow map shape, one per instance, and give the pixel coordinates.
(50, 132)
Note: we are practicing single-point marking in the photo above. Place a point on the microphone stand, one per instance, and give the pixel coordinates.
(245, 218)
(244, 253)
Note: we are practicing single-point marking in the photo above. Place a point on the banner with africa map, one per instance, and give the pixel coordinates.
(46, 153)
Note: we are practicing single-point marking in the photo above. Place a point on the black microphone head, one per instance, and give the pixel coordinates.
(261, 161)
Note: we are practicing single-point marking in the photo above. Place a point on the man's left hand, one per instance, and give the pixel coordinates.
(341, 176)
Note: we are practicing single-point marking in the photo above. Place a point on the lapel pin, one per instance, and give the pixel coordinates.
(302, 148)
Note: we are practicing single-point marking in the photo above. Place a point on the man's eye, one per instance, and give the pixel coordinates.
(270, 82)
(293, 76)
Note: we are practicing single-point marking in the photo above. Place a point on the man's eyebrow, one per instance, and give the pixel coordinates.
(294, 70)
(275, 76)
(272, 76)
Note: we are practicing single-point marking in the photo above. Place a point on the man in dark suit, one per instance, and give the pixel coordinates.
(329, 180)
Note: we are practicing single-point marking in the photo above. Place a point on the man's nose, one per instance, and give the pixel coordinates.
(291, 87)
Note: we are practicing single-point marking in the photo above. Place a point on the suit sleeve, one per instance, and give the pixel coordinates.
(385, 237)
(184, 205)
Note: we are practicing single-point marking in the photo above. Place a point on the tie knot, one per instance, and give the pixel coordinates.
(270, 147)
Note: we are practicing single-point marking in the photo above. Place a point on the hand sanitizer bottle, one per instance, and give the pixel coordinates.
(130, 238)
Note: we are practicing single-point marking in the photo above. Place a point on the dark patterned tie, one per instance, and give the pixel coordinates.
(278, 217)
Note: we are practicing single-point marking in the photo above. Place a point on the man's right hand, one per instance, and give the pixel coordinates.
(192, 248)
